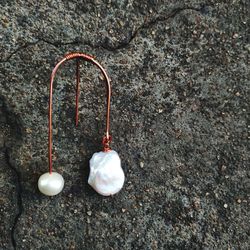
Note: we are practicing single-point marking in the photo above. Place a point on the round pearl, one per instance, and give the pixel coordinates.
(50, 184)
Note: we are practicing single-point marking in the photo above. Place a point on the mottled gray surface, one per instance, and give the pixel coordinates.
(180, 106)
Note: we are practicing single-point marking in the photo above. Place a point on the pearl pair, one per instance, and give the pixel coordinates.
(106, 174)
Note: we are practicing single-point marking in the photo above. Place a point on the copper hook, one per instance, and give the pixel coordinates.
(107, 138)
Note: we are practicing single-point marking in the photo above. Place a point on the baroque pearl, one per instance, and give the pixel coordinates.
(106, 175)
(50, 184)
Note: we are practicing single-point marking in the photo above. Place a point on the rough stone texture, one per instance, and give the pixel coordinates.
(180, 106)
(9, 199)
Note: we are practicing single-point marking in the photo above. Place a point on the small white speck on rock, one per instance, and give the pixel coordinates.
(223, 168)
(141, 164)
(104, 214)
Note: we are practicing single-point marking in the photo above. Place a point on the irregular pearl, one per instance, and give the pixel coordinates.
(106, 175)
(50, 184)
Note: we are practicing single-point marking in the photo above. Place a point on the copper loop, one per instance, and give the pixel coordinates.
(78, 56)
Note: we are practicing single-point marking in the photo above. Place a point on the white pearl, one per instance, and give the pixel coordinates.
(50, 184)
(106, 175)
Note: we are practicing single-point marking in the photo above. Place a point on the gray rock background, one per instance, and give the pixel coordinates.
(180, 106)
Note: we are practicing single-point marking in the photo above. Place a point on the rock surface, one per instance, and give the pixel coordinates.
(180, 105)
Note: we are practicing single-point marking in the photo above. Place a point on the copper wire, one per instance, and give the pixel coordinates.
(77, 89)
(107, 138)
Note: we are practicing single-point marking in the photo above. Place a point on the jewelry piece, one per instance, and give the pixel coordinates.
(106, 175)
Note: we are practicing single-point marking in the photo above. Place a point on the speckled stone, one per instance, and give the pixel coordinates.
(180, 93)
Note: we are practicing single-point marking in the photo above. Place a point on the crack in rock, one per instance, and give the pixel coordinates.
(126, 42)
(104, 45)
(19, 190)
(153, 22)
(25, 46)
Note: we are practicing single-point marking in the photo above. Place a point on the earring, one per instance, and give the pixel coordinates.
(106, 174)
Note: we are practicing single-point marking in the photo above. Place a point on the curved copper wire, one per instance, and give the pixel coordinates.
(107, 138)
